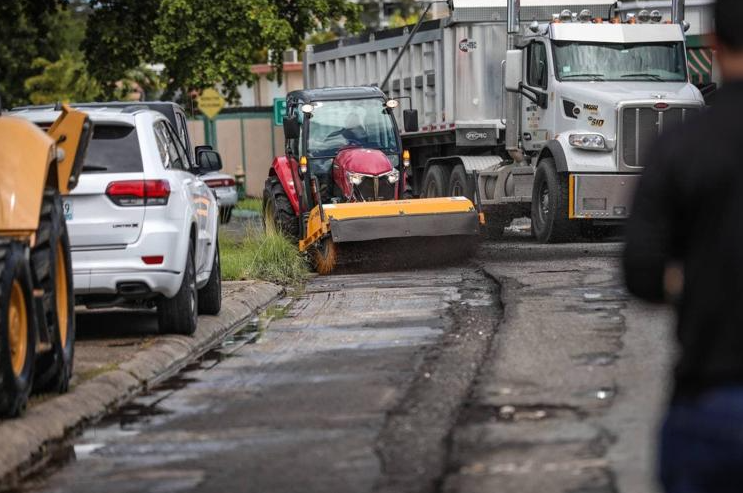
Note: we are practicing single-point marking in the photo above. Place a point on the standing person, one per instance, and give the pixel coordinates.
(685, 246)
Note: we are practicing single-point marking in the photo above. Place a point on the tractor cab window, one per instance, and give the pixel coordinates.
(354, 123)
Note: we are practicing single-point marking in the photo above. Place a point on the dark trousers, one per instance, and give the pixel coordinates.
(702, 444)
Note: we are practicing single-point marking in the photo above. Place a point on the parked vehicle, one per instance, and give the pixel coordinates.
(342, 179)
(224, 188)
(143, 224)
(548, 119)
(37, 313)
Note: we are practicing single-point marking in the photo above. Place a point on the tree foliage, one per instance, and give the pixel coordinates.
(24, 36)
(65, 80)
(204, 43)
(119, 38)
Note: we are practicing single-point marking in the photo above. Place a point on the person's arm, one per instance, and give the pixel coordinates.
(649, 270)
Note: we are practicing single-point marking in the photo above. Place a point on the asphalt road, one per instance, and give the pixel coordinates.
(526, 370)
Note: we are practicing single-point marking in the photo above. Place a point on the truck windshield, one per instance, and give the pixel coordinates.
(360, 122)
(658, 62)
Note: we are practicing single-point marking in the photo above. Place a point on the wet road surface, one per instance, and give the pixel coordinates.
(549, 380)
(354, 388)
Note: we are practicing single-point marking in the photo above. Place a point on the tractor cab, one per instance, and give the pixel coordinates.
(349, 142)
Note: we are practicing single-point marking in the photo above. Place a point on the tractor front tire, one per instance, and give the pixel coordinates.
(277, 210)
(51, 267)
(17, 329)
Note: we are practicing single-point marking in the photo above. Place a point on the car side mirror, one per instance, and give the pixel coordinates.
(291, 127)
(410, 120)
(514, 69)
(208, 160)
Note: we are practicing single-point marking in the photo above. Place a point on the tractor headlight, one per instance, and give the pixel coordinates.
(588, 142)
(355, 178)
(393, 176)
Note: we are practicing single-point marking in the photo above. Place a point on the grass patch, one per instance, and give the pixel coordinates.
(265, 255)
(250, 204)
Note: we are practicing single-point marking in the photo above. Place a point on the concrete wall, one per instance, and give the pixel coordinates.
(248, 143)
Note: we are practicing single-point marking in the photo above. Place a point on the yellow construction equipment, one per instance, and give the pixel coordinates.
(37, 318)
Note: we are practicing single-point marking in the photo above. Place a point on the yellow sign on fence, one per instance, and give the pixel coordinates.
(210, 102)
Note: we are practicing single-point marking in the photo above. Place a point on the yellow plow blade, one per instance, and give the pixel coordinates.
(339, 229)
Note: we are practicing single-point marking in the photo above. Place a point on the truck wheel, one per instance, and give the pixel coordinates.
(459, 185)
(277, 210)
(51, 266)
(549, 205)
(436, 182)
(17, 330)
(179, 314)
(210, 296)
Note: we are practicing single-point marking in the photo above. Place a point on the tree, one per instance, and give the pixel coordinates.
(24, 36)
(119, 38)
(203, 43)
(65, 80)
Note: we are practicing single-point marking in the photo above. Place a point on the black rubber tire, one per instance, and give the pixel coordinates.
(407, 194)
(460, 184)
(15, 389)
(210, 296)
(225, 214)
(278, 211)
(179, 314)
(54, 368)
(550, 224)
(436, 182)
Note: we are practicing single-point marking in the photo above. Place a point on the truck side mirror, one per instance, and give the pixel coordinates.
(514, 70)
(208, 160)
(410, 120)
(291, 127)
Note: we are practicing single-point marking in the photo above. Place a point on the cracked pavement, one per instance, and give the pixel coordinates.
(527, 370)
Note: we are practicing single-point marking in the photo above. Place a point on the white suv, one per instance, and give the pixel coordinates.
(142, 223)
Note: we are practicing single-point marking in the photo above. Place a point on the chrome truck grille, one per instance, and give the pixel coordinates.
(641, 125)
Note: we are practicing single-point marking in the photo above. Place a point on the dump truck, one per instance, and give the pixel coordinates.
(37, 311)
(341, 192)
(549, 118)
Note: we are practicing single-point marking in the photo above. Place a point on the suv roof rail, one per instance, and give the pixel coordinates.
(134, 108)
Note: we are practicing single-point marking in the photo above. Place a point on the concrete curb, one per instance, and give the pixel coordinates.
(27, 441)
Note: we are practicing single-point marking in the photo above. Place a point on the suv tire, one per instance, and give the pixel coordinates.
(179, 314)
(210, 296)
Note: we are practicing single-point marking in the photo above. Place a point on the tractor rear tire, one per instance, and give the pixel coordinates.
(277, 210)
(17, 329)
(436, 182)
(51, 267)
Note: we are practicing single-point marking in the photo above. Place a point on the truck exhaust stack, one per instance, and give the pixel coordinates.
(678, 9)
(512, 98)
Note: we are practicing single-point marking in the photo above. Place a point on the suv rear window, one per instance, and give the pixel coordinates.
(113, 149)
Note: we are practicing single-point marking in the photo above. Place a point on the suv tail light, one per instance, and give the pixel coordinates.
(132, 193)
(220, 182)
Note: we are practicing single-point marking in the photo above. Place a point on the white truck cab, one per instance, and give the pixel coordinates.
(593, 96)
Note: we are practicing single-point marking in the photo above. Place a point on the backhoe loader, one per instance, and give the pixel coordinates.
(37, 318)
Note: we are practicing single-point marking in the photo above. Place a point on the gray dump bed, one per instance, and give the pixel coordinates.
(452, 70)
